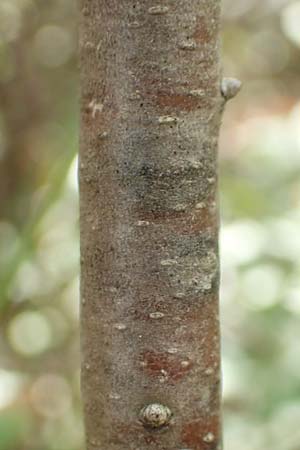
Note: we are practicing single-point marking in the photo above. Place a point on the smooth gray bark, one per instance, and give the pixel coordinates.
(151, 109)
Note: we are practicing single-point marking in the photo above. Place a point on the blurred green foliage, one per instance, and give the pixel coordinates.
(260, 240)
(40, 405)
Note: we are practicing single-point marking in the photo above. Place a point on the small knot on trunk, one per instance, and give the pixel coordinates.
(155, 415)
(230, 87)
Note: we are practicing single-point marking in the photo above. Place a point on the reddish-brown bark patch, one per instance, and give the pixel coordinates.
(190, 223)
(123, 432)
(207, 333)
(163, 364)
(195, 433)
(202, 34)
(201, 220)
(182, 102)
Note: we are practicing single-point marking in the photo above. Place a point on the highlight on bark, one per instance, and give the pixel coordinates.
(151, 108)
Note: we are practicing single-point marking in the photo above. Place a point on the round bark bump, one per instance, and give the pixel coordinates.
(155, 415)
(209, 437)
(230, 87)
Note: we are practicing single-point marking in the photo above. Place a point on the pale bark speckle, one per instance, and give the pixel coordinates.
(188, 45)
(158, 10)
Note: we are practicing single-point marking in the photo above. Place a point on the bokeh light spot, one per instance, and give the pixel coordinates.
(10, 21)
(53, 45)
(51, 395)
(290, 22)
(29, 333)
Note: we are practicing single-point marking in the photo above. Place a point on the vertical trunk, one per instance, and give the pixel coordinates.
(151, 107)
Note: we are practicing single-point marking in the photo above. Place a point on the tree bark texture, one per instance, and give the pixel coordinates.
(150, 116)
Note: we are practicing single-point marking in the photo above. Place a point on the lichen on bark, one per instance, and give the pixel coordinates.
(150, 113)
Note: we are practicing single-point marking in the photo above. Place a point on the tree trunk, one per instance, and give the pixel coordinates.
(151, 108)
